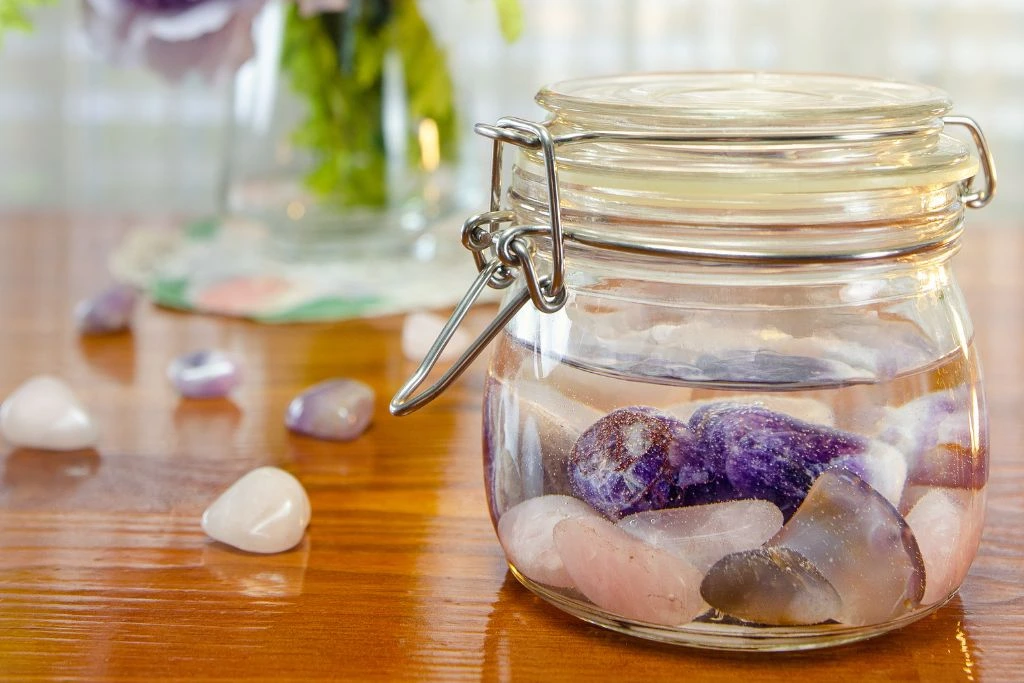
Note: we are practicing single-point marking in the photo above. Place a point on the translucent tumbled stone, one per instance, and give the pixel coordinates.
(550, 425)
(704, 534)
(881, 466)
(526, 534)
(204, 374)
(420, 330)
(775, 586)
(266, 511)
(107, 312)
(335, 410)
(45, 413)
(861, 544)
(942, 442)
(529, 432)
(947, 525)
(806, 409)
(626, 576)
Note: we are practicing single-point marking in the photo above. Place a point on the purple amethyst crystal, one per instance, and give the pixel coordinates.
(757, 453)
(631, 460)
(108, 312)
(204, 374)
(335, 410)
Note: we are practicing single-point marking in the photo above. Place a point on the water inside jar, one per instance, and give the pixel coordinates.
(718, 513)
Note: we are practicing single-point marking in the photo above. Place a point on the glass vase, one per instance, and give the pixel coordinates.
(342, 133)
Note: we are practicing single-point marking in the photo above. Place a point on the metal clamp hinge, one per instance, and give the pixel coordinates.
(500, 253)
(501, 249)
(974, 197)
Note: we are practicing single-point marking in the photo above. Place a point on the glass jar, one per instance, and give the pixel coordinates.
(744, 410)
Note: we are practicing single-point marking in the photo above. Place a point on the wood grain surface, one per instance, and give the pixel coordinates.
(105, 573)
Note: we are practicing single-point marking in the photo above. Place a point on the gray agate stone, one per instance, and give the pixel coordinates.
(846, 555)
(775, 586)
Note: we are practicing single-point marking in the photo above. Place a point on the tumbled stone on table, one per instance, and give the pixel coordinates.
(626, 576)
(861, 544)
(773, 586)
(759, 453)
(334, 410)
(107, 312)
(526, 532)
(266, 511)
(943, 443)
(44, 413)
(630, 460)
(204, 374)
(704, 534)
(947, 525)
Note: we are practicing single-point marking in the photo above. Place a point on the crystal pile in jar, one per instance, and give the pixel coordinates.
(733, 400)
(738, 507)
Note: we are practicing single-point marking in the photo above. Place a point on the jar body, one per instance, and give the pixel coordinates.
(741, 456)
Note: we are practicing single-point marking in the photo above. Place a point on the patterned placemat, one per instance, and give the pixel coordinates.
(228, 267)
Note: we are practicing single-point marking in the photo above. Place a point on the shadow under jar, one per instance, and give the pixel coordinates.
(744, 408)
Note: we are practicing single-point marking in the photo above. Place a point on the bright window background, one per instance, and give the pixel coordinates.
(77, 133)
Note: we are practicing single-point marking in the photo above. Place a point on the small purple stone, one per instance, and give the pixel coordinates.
(629, 461)
(767, 455)
(108, 312)
(204, 374)
(335, 410)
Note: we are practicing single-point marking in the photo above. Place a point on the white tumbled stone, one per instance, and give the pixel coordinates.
(526, 533)
(625, 576)
(45, 413)
(266, 511)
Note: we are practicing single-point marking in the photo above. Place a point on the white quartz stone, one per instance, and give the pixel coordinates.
(704, 534)
(626, 576)
(45, 413)
(266, 511)
(947, 525)
(525, 532)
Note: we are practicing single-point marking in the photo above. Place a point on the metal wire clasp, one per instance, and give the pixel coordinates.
(500, 253)
(975, 198)
(502, 249)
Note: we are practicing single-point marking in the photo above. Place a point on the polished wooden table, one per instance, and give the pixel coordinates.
(105, 573)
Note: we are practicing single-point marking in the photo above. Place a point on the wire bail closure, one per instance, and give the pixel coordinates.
(499, 253)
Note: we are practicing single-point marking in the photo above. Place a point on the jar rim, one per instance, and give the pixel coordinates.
(745, 102)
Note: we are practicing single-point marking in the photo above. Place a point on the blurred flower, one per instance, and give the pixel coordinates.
(174, 37)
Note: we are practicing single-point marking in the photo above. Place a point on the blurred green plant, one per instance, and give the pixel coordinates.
(335, 62)
(14, 14)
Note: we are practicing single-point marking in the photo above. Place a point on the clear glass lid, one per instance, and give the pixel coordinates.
(758, 132)
(739, 102)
